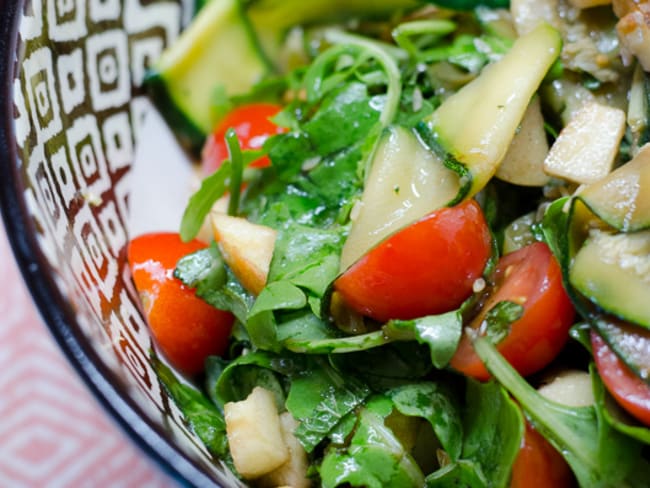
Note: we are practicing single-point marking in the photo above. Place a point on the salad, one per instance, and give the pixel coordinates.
(419, 254)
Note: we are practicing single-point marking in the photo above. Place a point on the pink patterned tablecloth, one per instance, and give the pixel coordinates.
(52, 431)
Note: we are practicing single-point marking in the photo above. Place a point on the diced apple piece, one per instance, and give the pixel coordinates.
(634, 32)
(293, 473)
(523, 164)
(255, 435)
(571, 388)
(476, 124)
(246, 247)
(527, 14)
(585, 149)
(405, 183)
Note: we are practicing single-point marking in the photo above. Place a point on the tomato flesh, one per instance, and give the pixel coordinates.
(186, 328)
(539, 464)
(532, 278)
(630, 391)
(252, 125)
(426, 268)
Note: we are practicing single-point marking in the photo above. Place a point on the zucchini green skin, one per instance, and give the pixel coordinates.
(607, 266)
(630, 343)
(470, 4)
(475, 125)
(189, 135)
(608, 269)
(233, 44)
(622, 198)
(629, 340)
(218, 51)
(645, 135)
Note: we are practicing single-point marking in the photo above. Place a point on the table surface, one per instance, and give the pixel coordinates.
(41, 446)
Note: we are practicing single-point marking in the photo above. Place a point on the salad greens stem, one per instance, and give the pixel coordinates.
(437, 27)
(385, 58)
(237, 168)
(338, 345)
(212, 188)
(589, 446)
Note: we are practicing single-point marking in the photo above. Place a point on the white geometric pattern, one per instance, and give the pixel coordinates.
(53, 433)
(78, 110)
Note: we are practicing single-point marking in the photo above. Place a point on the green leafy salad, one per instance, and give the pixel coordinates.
(427, 256)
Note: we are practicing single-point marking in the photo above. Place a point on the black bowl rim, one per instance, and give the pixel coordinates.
(55, 310)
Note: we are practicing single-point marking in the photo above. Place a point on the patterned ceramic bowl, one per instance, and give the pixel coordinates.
(72, 112)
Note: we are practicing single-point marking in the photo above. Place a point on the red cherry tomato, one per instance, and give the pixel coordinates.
(539, 465)
(252, 125)
(531, 277)
(426, 268)
(186, 328)
(630, 391)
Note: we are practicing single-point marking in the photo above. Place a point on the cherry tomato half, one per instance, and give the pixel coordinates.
(539, 464)
(532, 278)
(426, 268)
(186, 328)
(252, 125)
(630, 391)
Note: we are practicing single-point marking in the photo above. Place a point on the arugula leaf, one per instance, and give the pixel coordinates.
(598, 455)
(249, 374)
(375, 458)
(438, 405)
(232, 381)
(389, 366)
(308, 257)
(440, 332)
(200, 414)
(493, 427)
(212, 188)
(319, 79)
(465, 473)
(555, 227)
(261, 323)
(304, 324)
(499, 318)
(344, 117)
(319, 398)
(323, 342)
(214, 281)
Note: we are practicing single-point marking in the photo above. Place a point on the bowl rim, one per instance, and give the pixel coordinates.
(55, 311)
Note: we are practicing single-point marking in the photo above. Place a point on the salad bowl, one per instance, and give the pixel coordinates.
(415, 253)
(71, 110)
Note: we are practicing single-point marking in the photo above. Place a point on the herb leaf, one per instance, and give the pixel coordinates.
(438, 405)
(319, 398)
(375, 458)
(587, 443)
(214, 281)
(500, 317)
(440, 332)
(201, 415)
